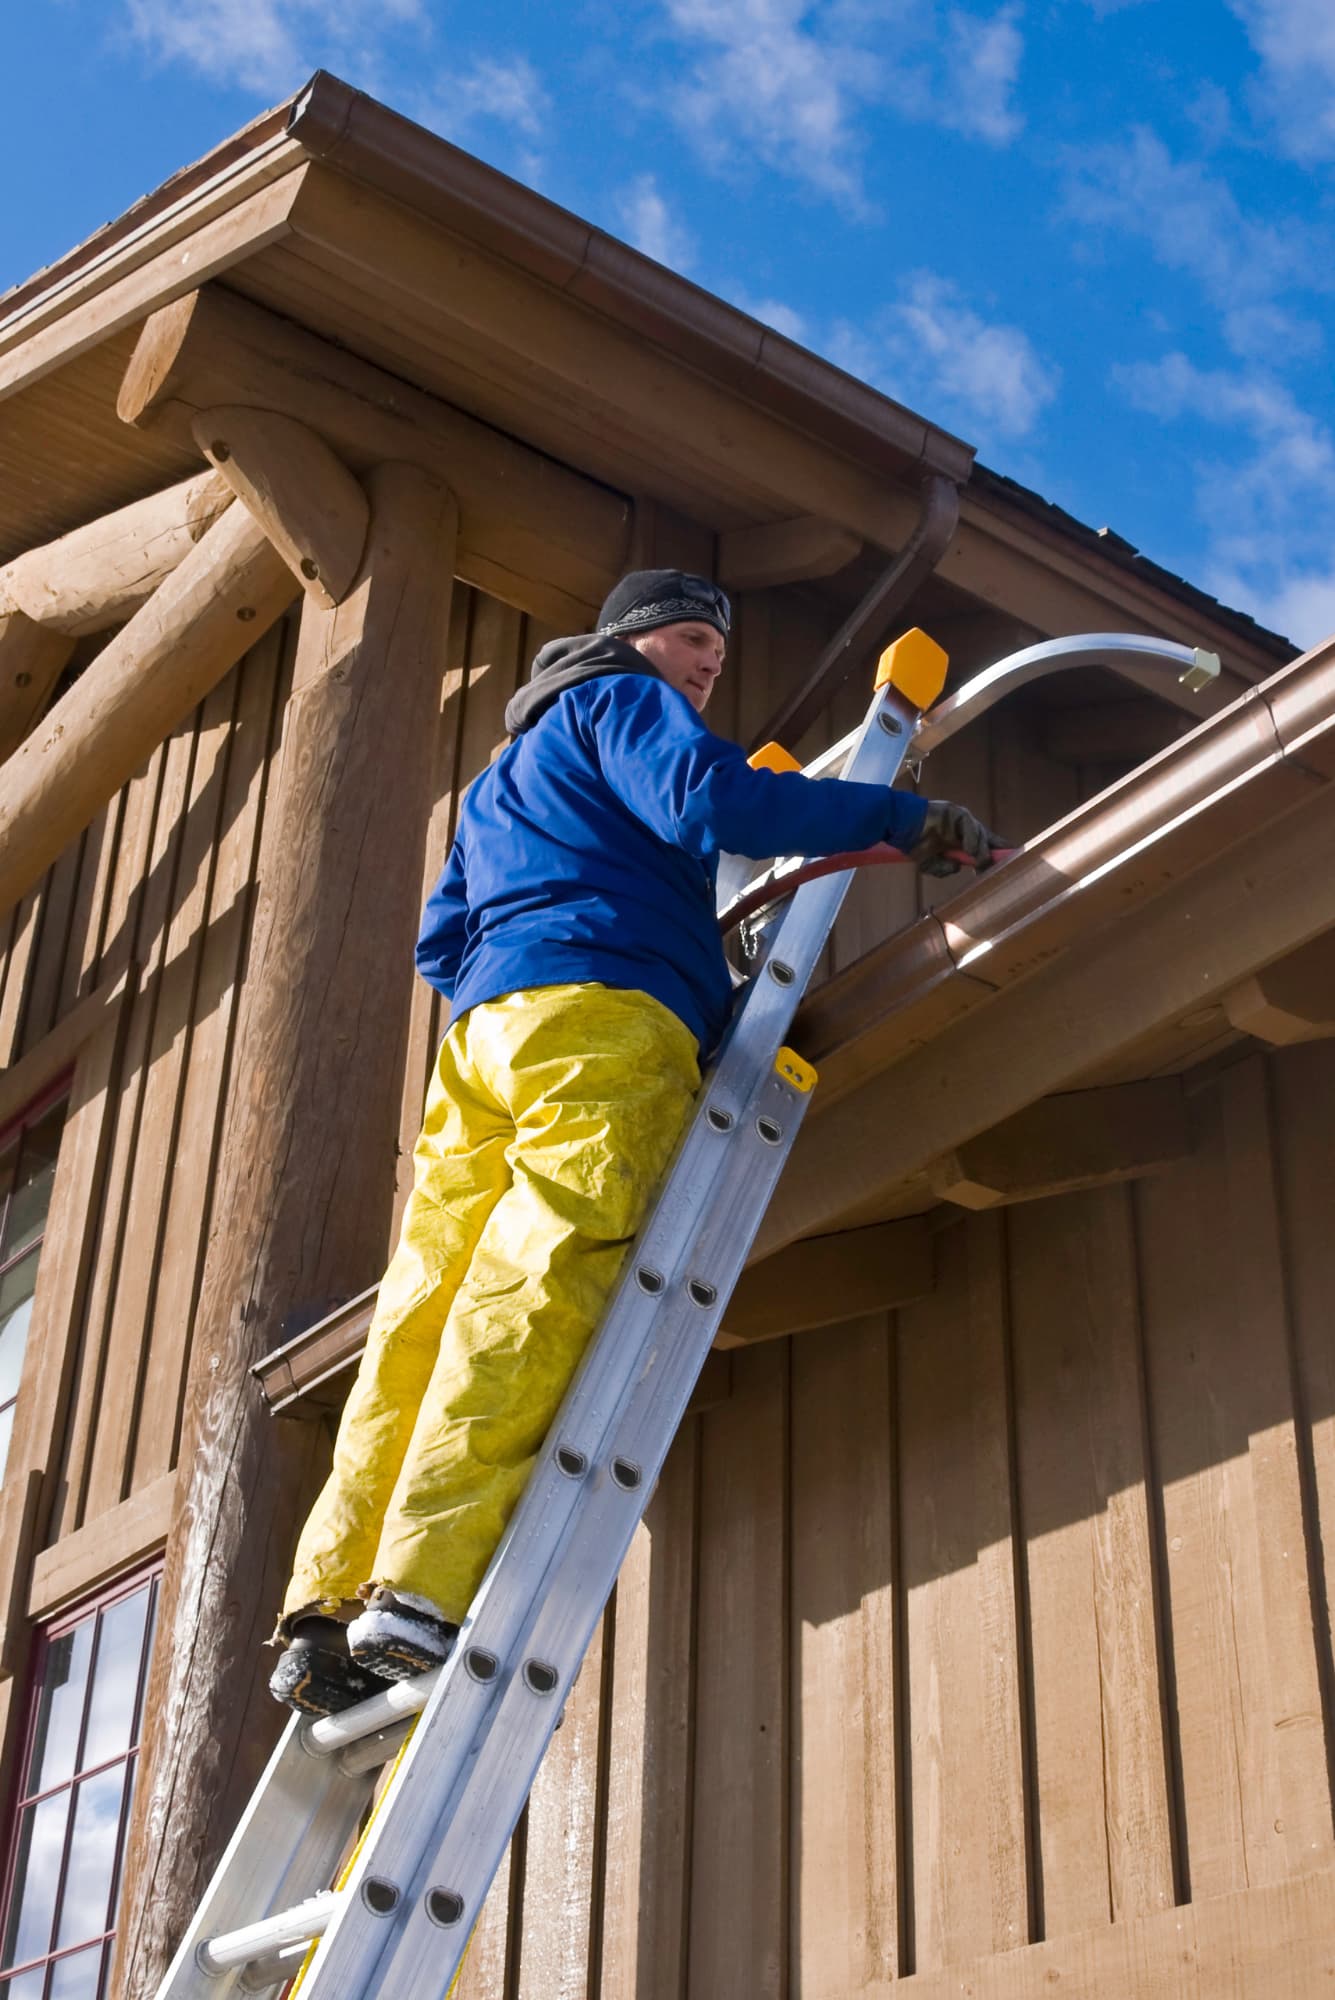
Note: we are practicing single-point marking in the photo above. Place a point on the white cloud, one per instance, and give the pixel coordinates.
(933, 351)
(505, 90)
(982, 64)
(788, 81)
(1266, 505)
(1194, 223)
(261, 45)
(1295, 40)
(780, 75)
(651, 225)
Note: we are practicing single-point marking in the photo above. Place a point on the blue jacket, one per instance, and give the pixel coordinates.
(588, 851)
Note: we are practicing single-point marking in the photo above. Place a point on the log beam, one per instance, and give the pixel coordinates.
(531, 532)
(827, 1279)
(795, 551)
(1078, 1139)
(310, 506)
(99, 575)
(304, 1190)
(211, 609)
(1290, 1001)
(31, 660)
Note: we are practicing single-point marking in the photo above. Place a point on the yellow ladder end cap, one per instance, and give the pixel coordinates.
(796, 1070)
(915, 666)
(773, 757)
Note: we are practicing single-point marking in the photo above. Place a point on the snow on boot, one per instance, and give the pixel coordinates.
(399, 1635)
(317, 1675)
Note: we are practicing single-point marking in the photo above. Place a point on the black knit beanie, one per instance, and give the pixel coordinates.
(651, 597)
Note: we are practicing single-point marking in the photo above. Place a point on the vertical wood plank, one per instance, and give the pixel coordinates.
(1303, 1085)
(845, 1911)
(649, 1744)
(1103, 1831)
(18, 959)
(59, 896)
(561, 1871)
(218, 948)
(484, 1974)
(146, 909)
(167, 1002)
(969, 1870)
(1254, 1773)
(738, 1857)
(99, 852)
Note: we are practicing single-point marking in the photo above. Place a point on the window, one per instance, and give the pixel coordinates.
(28, 1151)
(76, 1782)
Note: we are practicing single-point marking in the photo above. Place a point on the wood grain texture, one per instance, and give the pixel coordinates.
(738, 1941)
(1104, 1846)
(1249, 1728)
(316, 1082)
(649, 1745)
(31, 659)
(100, 574)
(558, 1937)
(969, 1875)
(845, 1875)
(219, 600)
(301, 493)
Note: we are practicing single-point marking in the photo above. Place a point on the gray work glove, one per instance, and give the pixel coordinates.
(948, 827)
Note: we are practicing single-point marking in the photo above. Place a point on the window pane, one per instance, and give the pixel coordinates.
(78, 1976)
(60, 1709)
(28, 1985)
(120, 1642)
(97, 1821)
(31, 1198)
(16, 1290)
(36, 1878)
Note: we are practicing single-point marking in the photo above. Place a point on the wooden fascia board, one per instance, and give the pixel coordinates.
(206, 233)
(380, 149)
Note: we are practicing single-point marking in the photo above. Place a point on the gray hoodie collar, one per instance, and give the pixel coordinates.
(564, 663)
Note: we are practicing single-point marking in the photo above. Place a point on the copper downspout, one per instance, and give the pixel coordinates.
(870, 626)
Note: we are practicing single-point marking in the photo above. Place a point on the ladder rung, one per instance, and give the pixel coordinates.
(397, 1704)
(259, 1941)
(373, 1751)
(262, 1974)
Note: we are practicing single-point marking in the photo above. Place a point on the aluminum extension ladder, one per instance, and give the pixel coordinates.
(398, 1926)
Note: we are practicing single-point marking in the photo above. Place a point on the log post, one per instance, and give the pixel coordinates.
(304, 1192)
(193, 630)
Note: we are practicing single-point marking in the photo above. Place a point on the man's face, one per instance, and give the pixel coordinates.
(689, 657)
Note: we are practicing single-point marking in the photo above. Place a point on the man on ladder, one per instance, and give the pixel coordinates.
(574, 932)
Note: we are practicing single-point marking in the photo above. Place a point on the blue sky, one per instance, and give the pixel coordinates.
(1095, 237)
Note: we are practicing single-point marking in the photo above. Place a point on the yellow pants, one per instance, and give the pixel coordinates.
(550, 1119)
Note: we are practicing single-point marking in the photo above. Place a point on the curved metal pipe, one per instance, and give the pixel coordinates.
(871, 624)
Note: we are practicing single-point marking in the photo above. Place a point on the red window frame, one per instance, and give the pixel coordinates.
(49, 1634)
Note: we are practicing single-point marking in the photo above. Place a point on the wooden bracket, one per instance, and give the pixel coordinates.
(1079, 1139)
(31, 659)
(308, 503)
(825, 1279)
(1292, 1000)
(795, 551)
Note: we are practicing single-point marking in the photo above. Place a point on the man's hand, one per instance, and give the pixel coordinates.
(947, 830)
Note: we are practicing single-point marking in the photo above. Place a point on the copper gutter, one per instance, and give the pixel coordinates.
(1272, 749)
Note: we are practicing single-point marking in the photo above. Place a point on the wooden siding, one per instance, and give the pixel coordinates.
(986, 1646)
(973, 1641)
